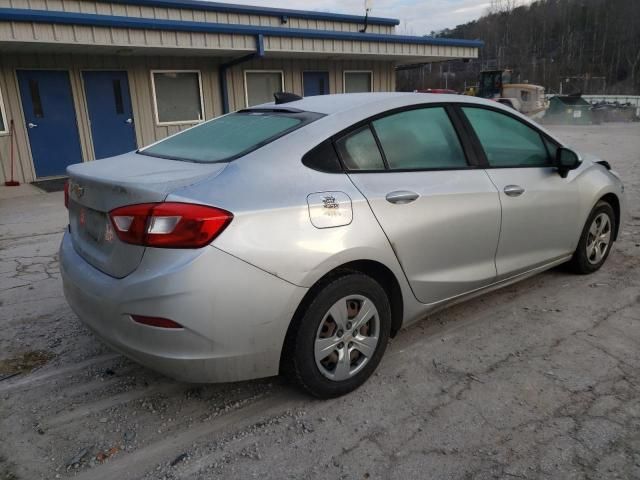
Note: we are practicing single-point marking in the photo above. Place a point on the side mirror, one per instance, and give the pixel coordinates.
(566, 160)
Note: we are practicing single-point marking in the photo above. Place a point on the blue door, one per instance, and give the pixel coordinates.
(110, 113)
(315, 83)
(50, 120)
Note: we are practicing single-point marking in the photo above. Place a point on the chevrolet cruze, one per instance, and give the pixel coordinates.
(296, 237)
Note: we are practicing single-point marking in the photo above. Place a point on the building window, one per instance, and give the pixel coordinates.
(4, 126)
(260, 85)
(357, 82)
(177, 96)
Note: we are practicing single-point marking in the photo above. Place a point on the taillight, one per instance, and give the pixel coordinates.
(170, 224)
(66, 193)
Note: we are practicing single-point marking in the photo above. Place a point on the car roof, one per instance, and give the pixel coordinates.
(343, 102)
(344, 110)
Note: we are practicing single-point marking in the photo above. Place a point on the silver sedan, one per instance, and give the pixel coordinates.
(296, 237)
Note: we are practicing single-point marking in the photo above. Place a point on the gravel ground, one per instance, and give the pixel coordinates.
(538, 380)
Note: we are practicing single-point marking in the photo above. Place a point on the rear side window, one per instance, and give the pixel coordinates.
(506, 141)
(420, 139)
(359, 150)
(228, 137)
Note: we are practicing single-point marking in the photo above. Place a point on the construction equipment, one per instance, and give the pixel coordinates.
(524, 97)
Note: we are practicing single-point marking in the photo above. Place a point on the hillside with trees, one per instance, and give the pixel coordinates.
(591, 46)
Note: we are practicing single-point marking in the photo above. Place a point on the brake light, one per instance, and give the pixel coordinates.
(66, 193)
(156, 322)
(170, 224)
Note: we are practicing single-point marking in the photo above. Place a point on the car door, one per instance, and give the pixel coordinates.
(540, 210)
(441, 214)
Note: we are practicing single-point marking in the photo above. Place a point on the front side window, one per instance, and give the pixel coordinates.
(225, 138)
(506, 141)
(357, 82)
(260, 86)
(177, 97)
(359, 150)
(420, 139)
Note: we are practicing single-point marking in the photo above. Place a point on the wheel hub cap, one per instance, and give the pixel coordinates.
(347, 337)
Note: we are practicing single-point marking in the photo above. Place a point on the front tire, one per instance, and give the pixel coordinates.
(336, 343)
(596, 240)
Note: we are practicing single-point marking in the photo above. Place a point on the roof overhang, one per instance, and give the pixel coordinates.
(88, 19)
(62, 31)
(253, 10)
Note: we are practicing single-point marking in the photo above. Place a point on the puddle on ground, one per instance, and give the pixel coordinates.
(25, 362)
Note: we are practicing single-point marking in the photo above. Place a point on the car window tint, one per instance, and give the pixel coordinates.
(420, 139)
(506, 141)
(552, 147)
(224, 137)
(359, 151)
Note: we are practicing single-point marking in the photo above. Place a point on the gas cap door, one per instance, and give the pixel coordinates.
(329, 209)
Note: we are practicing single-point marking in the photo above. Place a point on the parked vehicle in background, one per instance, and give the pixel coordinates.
(526, 98)
(298, 237)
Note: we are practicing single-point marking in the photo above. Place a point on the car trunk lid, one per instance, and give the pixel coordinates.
(96, 188)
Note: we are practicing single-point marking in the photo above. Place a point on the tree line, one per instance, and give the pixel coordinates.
(588, 46)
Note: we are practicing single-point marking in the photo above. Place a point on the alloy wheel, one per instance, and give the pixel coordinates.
(599, 238)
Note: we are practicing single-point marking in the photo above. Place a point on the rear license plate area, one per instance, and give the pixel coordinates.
(92, 224)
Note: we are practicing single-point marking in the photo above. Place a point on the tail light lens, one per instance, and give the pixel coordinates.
(66, 194)
(170, 224)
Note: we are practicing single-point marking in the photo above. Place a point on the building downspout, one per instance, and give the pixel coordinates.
(224, 88)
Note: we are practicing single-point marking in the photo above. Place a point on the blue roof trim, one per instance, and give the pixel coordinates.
(89, 19)
(254, 10)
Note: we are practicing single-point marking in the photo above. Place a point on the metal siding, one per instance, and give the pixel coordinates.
(383, 75)
(138, 69)
(88, 6)
(23, 169)
(122, 37)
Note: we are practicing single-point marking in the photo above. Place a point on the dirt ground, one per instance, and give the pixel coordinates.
(538, 380)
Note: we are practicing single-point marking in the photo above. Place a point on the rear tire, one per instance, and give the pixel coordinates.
(596, 240)
(338, 340)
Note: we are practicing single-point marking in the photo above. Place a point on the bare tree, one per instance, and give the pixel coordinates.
(550, 40)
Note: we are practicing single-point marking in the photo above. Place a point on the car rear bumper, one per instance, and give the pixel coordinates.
(235, 316)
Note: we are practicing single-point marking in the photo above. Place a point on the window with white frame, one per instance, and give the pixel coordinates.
(260, 85)
(177, 96)
(4, 127)
(358, 81)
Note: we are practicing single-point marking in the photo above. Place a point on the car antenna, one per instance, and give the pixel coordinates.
(285, 97)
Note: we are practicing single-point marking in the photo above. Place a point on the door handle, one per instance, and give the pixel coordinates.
(32, 125)
(401, 197)
(513, 190)
(129, 121)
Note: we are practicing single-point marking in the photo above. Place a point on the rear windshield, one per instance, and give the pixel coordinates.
(231, 136)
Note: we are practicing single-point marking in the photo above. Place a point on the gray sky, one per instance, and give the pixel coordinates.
(417, 17)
